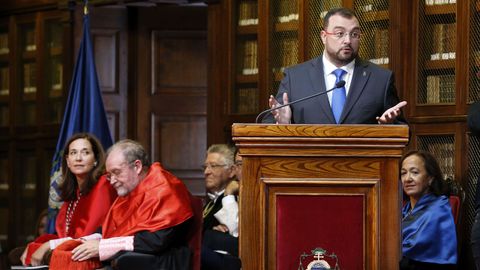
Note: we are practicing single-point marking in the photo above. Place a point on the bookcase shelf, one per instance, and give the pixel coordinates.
(375, 16)
(440, 64)
(247, 29)
(247, 78)
(286, 26)
(30, 55)
(56, 51)
(29, 43)
(441, 9)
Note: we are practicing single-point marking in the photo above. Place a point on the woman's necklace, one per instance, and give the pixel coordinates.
(70, 210)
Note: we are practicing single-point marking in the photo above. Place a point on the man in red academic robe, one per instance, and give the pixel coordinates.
(148, 222)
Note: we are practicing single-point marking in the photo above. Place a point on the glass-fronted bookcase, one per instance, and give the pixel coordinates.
(34, 51)
(265, 37)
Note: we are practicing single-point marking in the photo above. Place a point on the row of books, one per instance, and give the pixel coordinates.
(287, 11)
(30, 40)
(287, 52)
(247, 100)
(382, 40)
(4, 81)
(439, 2)
(379, 40)
(440, 89)
(247, 13)
(29, 78)
(57, 74)
(249, 61)
(4, 43)
(380, 61)
(371, 5)
(444, 40)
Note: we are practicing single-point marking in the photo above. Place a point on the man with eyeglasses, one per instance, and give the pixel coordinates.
(146, 226)
(368, 95)
(220, 213)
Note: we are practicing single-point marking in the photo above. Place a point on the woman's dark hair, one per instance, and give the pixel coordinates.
(69, 183)
(438, 185)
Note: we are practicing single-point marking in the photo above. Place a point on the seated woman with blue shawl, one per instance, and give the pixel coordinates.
(429, 239)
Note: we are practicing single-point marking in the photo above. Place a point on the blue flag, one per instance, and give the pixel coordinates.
(84, 112)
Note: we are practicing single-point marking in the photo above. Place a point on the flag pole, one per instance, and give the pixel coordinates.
(85, 7)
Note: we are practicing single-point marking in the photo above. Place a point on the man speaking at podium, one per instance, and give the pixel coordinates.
(359, 92)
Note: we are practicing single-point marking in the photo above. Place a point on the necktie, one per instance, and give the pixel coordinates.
(339, 96)
(208, 208)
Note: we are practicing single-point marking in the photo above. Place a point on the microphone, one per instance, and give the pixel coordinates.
(260, 116)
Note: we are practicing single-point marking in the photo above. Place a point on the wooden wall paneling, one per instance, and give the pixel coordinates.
(172, 136)
(172, 90)
(109, 33)
(217, 81)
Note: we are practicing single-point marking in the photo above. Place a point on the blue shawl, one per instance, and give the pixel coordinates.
(428, 231)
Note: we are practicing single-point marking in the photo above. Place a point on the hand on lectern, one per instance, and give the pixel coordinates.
(391, 114)
(282, 115)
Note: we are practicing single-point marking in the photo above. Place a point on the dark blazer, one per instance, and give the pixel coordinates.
(372, 92)
(473, 118)
(209, 221)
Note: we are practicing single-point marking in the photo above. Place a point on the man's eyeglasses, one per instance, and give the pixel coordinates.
(342, 34)
(116, 173)
(213, 166)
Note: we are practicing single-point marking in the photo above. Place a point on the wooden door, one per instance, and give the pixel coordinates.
(171, 91)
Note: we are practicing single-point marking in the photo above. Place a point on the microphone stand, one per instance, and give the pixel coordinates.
(260, 116)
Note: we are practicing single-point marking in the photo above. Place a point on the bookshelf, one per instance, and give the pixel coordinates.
(437, 25)
(374, 19)
(33, 57)
(4, 77)
(244, 93)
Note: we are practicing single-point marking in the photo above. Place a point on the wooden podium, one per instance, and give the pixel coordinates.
(330, 186)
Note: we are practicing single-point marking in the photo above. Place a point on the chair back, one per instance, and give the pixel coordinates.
(195, 234)
(455, 205)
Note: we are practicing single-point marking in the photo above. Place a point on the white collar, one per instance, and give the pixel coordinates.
(214, 196)
(329, 67)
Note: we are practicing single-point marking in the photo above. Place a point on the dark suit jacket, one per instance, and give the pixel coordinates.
(473, 118)
(372, 92)
(210, 221)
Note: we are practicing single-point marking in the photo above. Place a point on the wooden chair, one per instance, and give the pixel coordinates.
(195, 236)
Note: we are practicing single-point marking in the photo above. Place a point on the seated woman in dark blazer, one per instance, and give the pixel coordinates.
(429, 239)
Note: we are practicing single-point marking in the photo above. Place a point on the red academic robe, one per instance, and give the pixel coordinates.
(87, 217)
(159, 201)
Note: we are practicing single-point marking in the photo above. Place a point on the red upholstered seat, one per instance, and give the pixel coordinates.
(335, 223)
(455, 205)
(195, 237)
